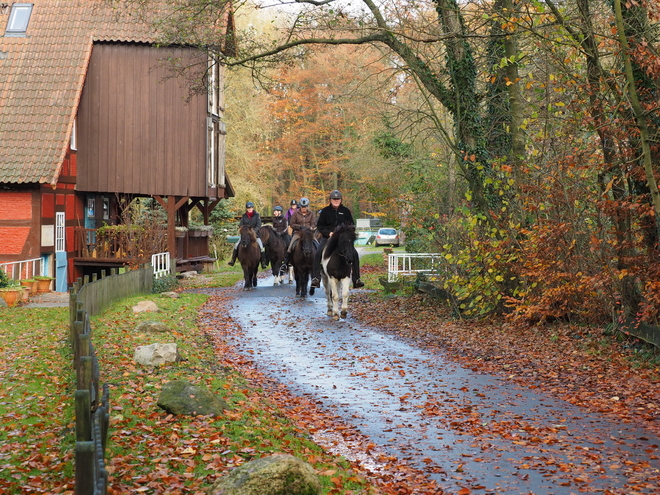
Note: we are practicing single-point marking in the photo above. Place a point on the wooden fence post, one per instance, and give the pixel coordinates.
(83, 418)
(84, 468)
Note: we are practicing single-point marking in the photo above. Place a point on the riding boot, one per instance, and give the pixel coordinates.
(233, 257)
(285, 263)
(264, 261)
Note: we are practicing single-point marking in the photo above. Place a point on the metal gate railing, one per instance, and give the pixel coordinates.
(411, 264)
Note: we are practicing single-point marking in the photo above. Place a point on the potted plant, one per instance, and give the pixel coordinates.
(10, 290)
(180, 231)
(12, 294)
(206, 230)
(43, 282)
(31, 284)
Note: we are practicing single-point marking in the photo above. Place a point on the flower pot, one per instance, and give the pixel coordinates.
(43, 285)
(31, 284)
(12, 296)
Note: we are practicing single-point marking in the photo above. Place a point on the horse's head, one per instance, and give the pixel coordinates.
(342, 240)
(247, 235)
(307, 240)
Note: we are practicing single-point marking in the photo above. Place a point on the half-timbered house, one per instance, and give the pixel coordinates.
(93, 114)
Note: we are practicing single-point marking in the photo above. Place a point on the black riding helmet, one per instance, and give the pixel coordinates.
(294, 202)
(249, 204)
(335, 194)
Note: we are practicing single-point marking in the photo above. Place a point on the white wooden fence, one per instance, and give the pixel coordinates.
(22, 270)
(410, 264)
(161, 264)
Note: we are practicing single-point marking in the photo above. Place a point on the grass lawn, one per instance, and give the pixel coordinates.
(149, 451)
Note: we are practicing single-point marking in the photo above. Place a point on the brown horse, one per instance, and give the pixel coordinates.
(275, 247)
(249, 255)
(302, 259)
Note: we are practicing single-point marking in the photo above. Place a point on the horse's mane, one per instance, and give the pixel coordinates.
(249, 230)
(343, 233)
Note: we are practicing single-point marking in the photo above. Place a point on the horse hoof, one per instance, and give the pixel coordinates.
(311, 291)
(343, 314)
(329, 312)
(336, 317)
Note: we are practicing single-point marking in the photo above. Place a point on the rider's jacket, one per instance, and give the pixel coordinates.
(254, 222)
(280, 225)
(330, 218)
(299, 220)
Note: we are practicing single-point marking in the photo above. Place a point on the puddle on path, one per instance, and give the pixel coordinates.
(461, 428)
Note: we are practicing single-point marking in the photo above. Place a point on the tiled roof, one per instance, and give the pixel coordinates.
(41, 78)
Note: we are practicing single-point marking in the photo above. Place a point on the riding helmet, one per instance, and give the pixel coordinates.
(277, 208)
(335, 194)
(304, 202)
(294, 202)
(249, 204)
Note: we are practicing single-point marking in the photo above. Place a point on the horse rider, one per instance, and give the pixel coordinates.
(303, 217)
(330, 217)
(280, 224)
(292, 209)
(252, 219)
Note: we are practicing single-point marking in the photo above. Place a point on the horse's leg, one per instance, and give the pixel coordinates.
(304, 279)
(345, 284)
(334, 289)
(328, 293)
(291, 275)
(247, 285)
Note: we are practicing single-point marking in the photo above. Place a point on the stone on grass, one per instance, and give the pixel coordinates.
(182, 397)
(152, 327)
(145, 306)
(172, 295)
(278, 474)
(156, 354)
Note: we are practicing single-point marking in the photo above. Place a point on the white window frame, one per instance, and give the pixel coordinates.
(74, 136)
(60, 232)
(13, 26)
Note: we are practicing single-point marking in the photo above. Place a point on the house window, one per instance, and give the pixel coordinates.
(74, 135)
(18, 19)
(214, 86)
(59, 232)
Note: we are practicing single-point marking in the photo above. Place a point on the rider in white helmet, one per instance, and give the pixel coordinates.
(303, 217)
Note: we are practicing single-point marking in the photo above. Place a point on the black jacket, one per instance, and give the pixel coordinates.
(280, 225)
(254, 222)
(331, 217)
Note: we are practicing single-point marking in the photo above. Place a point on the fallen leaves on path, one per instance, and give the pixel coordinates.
(580, 365)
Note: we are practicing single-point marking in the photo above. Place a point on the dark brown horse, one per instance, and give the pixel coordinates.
(275, 247)
(302, 259)
(336, 267)
(249, 256)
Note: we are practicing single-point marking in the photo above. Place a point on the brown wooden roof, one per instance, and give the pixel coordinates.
(41, 79)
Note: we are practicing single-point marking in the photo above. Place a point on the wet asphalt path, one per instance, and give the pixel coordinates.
(465, 430)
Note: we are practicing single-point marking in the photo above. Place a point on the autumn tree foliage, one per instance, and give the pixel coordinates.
(532, 135)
